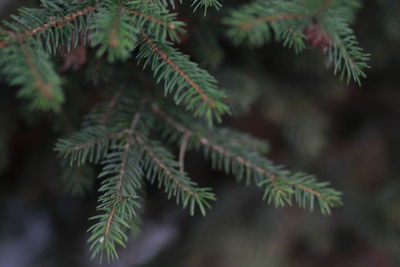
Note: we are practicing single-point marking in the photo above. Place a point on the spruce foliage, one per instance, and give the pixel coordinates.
(129, 135)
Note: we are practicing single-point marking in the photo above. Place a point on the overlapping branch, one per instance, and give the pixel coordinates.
(278, 184)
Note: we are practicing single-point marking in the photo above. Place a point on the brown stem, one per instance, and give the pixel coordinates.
(109, 220)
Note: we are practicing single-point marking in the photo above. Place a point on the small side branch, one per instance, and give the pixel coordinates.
(181, 73)
(96, 141)
(206, 142)
(43, 87)
(54, 23)
(121, 174)
(164, 168)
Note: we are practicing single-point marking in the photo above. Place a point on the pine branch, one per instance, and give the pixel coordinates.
(55, 23)
(190, 84)
(118, 203)
(242, 161)
(289, 21)
(28, 66)
(155, 20)
(348, 59)
(160, 164)
(91, 144)
(253, 23)
(68, 19)
(113, 32)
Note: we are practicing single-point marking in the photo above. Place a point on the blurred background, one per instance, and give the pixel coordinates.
(348, 135)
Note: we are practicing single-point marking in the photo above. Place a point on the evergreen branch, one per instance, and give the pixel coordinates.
(348, 58)
(40, 19)
(159, 163)
(192, 85)
(28, 66)
(45, 26)
(118, 203)
(181, 73)
(253, 23)
(289, 21)
(156, 21)
(118, 200)
(91, 144)
(113, 31)
(57, 23)
(278, 184)
(38, 82)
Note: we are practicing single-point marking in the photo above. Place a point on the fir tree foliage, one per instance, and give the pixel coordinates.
(127, 135)
(258, 22)
(29, 66)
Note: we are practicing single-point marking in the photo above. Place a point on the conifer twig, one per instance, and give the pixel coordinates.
(163, 167)
(52, 23)
(206, 142)
(96, 141)
(181, 73)
(39, 83)
(121, 175)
